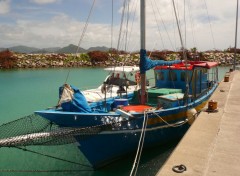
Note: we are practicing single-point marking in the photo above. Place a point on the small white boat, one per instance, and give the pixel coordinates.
(120, 82)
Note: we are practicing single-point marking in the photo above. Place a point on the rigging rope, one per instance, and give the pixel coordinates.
(35, 130)
(165, 28)
(158, 26)
(183, 51)
(210, 24)
(121, 24)
(127, 20)
(191, 22)
(179, 30)
(112, 30)
(134, 6)
(185, 23)
(82, 35)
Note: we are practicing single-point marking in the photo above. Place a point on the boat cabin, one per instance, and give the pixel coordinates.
(180, 83)
(197, 76)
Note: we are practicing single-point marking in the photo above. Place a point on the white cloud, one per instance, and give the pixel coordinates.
(220, 12)
(43, 1)
(4, 6)
(59, 31)
(62, 30)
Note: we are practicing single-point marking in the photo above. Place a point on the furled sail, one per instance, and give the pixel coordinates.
(72, 100)
(147, 64)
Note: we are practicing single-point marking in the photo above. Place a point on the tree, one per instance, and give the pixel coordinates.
(7, 59)
(194, 50)
(85, 57)
(98, 56)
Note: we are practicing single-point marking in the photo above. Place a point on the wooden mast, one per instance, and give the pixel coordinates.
(142, 51)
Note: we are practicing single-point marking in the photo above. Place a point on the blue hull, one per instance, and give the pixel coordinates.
(103, 149)
(109, 144)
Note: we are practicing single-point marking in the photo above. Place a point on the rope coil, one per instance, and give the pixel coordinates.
(179, 168)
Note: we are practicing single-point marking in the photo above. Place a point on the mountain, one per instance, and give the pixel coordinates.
(52, 50)
(23, 49)
(47, 50)
(71, 49)
(68, 49)
(98, 48)
(2, 49)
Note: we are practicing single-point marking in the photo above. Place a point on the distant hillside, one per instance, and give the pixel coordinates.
(67, 49)
(2, 49)
(102, 48)
(23, 49)
(71, 49)
(52, 50)
(47, 50)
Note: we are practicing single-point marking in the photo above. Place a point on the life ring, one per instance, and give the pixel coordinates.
(179, 168)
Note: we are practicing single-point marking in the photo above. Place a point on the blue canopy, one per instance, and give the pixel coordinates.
(78, 102)
(147, 64)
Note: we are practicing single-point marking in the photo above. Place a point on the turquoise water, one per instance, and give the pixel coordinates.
(24, 91)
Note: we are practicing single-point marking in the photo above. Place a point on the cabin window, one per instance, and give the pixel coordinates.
(172, 76)
(183, 76)
(160, 75)
(205, 71)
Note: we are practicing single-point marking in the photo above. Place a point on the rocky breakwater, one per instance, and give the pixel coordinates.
(10, 60)
(223, 58)
(49, 61)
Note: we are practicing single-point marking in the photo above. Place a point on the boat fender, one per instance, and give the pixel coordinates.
(191, 115)
(124, 113)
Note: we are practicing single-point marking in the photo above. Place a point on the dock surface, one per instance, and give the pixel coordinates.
(211, 146)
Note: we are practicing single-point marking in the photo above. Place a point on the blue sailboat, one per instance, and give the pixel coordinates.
(164, 112)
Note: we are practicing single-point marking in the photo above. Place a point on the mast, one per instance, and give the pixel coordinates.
(142, 52)
(235, 48)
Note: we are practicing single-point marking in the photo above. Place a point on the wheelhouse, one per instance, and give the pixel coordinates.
(198, 77)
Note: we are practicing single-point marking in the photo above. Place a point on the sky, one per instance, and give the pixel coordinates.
(204, 24)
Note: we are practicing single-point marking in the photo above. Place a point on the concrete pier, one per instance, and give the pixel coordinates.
(211, 147)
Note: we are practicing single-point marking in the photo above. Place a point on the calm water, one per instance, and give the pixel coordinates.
(24, 91)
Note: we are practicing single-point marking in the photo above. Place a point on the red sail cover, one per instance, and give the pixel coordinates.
(189, 65)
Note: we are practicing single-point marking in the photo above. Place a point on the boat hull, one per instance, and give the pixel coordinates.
(109, 144)
(105, 148)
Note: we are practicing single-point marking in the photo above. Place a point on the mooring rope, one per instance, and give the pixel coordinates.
(140, 146)
(57, 170)
(177, 124)
(54, 157)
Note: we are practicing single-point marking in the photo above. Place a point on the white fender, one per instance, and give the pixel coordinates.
(191, 115)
